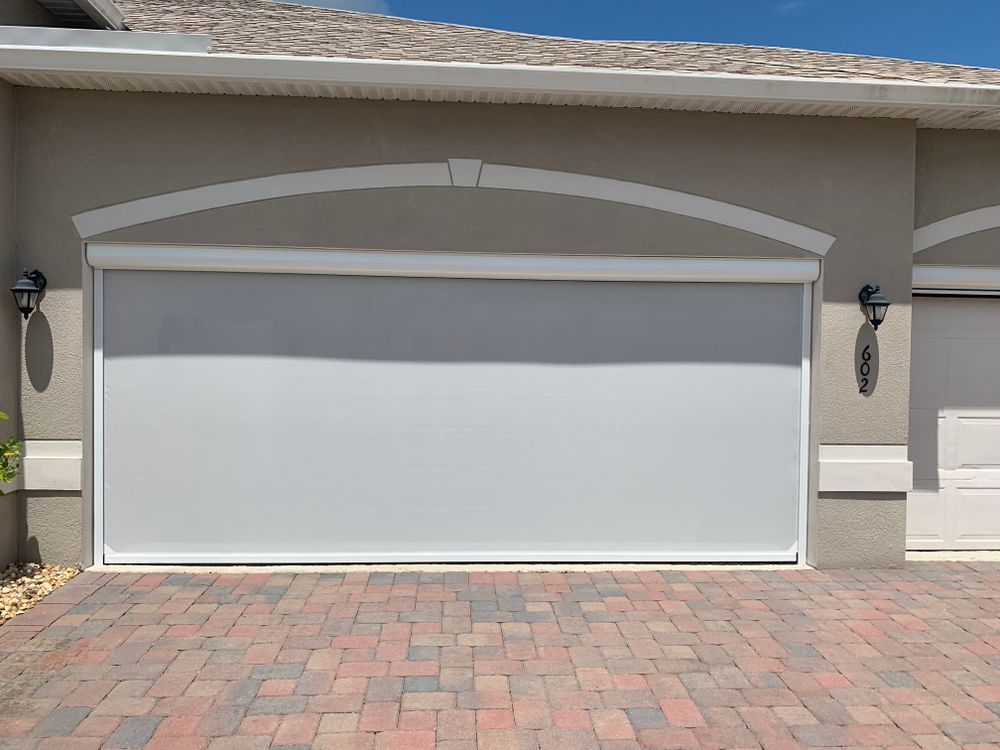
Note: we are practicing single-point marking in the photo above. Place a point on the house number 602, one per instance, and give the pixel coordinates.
(865, 369)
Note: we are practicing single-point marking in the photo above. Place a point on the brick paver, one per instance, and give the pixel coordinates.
(459, 660)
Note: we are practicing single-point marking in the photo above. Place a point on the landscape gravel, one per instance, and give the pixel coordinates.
(23, 585)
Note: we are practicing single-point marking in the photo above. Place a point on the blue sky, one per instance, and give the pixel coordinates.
(959, 31)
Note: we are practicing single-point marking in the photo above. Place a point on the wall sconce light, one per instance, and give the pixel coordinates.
(875, 304)
(26, 291)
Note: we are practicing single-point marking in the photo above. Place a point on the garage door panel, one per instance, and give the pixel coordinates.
(977, 517)
(955, 408)
(334, 418)
(925, 519)
(977, 440)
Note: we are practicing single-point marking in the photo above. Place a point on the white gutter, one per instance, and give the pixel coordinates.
(492, 79)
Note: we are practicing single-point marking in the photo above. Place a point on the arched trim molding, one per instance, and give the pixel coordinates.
(463, 173)
(956, 226)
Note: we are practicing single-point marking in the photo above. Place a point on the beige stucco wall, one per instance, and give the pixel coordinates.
(8, 316)
(850, 178)
(958, 171)
(851, 530)
(50, 528)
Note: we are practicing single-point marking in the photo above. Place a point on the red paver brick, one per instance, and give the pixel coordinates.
(412, 720)
(259, 725)
(401, 739)
(571, 718)
(494, 718)
(456, 724)
(177, 743)
(612, 724)
(363, 669)
(297, 729)
(682, 712)
(261, 653)
(178, 726)
(532, 714)
(278, 687)
(68, 743)
(346, 741)
(379, 716)
(506, 739)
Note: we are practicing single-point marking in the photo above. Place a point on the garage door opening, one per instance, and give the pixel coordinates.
(955, 424)
(289, 417)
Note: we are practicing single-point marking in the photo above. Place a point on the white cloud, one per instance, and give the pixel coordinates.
(365, 6)
(792, 6)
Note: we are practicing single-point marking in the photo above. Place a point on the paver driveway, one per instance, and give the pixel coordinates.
(735, 658)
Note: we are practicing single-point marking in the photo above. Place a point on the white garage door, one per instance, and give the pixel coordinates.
(955, 424)
(263, 417)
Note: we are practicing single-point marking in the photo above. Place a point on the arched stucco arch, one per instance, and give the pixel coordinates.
(458, 173)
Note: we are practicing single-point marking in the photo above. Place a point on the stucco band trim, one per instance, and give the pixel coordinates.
(464, 173)
(865, 468)
(50, 465)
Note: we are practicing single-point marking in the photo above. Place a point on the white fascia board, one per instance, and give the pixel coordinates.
(531, 79)
(34, 37)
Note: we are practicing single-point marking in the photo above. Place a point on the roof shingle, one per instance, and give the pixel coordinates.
(269, 27)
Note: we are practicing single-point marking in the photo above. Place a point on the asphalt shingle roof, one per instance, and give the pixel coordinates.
(269, 27)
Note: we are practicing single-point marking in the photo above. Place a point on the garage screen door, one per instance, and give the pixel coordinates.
(295, 418)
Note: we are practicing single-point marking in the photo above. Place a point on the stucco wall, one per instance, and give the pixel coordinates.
(850, 178)
(958, 171)
(50, 528)
(8, 316)
(851, 530)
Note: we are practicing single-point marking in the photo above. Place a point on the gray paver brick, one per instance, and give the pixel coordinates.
(282, 704)
(61, 722)
(645, 718)
(133, 733)
(277, 671)
(420, 685)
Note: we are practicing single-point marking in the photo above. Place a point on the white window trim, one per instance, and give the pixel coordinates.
(460, 173)
(451, 265)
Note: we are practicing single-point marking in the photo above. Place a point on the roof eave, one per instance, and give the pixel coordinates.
(350, 78)
(103, 12)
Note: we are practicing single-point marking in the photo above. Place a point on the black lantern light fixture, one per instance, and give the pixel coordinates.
(26, 291)
(875, 304)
